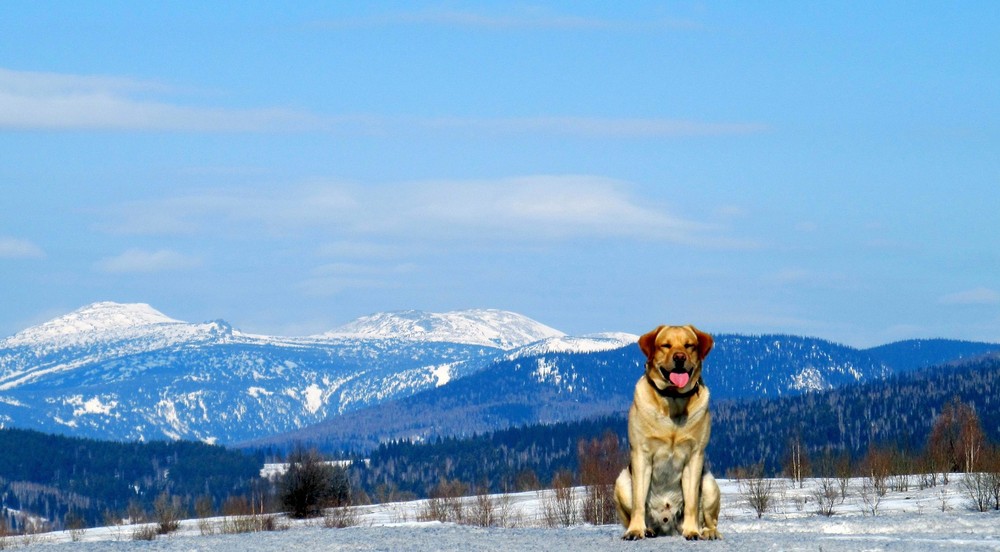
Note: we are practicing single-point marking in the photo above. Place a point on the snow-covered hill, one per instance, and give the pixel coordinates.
(485, 327)
(935, 519)
(128, 371)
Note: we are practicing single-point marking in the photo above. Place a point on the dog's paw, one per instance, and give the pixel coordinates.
(710, 534)
(691, 531)
(636, 534)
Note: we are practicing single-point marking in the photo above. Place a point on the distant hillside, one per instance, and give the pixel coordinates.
(563, 380)
(897, 412)
(905, 356)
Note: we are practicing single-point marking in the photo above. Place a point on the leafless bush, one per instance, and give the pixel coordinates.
(976, 487)
(871, 495)
(76, 525)
(114, 522)
(246, 515)
(757, 490)
(144, 533)
(599, 505)
(341, 517)
(826, 494)
(493, 511)
(561, 508)
(600, 462)
(446, 503)
(203, 509)
(168, 512)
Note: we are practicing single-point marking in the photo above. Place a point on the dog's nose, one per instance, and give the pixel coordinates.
(680, 358)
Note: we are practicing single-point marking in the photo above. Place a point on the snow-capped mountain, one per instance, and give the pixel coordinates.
(566, 379)
(485, 327)
(128, 371)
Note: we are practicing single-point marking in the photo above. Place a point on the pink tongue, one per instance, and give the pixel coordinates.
(680, 379)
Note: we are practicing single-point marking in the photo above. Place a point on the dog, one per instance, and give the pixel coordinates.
(665, 490)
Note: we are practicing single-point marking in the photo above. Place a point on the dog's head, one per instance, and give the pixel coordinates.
(674, 355)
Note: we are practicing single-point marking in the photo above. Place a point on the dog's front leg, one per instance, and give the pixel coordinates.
(642, 472)
(691, 487)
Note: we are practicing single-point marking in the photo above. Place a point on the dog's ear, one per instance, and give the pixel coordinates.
(648, 341)
(705, 342)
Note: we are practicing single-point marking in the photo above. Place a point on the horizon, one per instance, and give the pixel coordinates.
(786, 168)
(462, 311)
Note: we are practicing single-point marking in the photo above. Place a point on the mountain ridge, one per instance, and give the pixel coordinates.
(130, 372)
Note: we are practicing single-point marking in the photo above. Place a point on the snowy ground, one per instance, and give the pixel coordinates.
(919, 520)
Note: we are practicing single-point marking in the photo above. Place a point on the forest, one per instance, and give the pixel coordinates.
(86, 480)
(73, 480)
(897, 414)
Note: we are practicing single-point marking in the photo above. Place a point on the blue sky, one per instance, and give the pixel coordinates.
(825, 169)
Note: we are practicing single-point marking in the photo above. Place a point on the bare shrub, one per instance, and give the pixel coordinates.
(492, 510)
(757, 490)
(341, 517)
(871, 495)
(827, 494)
(561, 508)
(976, 489)
(204, 509)
(600, 462)
(247, 515)
(114, 522)
(446, 502)
(144, 533)
(167, 511)
(76, 525)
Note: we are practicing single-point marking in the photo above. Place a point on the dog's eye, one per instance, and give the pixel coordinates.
(666, 346)
(690, 346)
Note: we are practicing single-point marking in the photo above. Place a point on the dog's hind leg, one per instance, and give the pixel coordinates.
(623, 496)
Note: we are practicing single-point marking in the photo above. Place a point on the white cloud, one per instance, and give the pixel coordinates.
(15, 248)
(56, 101)
(34, 100)
(532, 208)
(137, 260)
(976, 296)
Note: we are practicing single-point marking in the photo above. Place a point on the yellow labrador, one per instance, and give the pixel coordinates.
(665, 490)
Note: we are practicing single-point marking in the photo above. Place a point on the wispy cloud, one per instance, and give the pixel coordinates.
(139, 261)
(531, 208)
(53, 101)
(976, 296)
(16, 248)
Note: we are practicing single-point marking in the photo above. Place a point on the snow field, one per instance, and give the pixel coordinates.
(932, 519)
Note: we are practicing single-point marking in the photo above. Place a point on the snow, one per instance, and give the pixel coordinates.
(907, 521)
(442, 374)
(486, 327)
(568, 344)
(314, 398)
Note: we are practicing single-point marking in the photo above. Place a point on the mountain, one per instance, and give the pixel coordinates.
(130, 372)
(485, 327)
(127, 371)
(568, 378)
